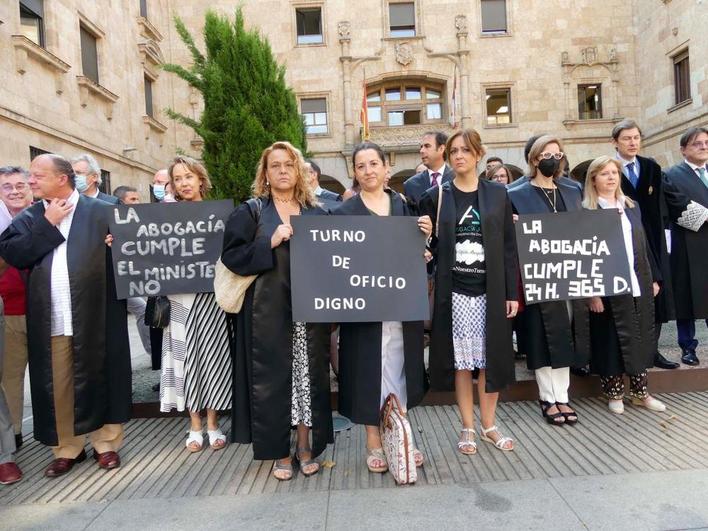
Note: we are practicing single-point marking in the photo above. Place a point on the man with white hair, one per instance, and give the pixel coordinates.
(88, 178)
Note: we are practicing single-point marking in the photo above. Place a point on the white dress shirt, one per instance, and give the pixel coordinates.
(60, 291)
(628, 242)
(695, 167)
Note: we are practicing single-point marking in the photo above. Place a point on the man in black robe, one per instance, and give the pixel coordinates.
(79, 358)
(687, 198)
(642, 182)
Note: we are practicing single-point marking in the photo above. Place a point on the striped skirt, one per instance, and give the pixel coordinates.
(196, 359)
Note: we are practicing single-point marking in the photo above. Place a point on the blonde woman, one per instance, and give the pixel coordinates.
(196, 360)
(622, 335)
(281, 367)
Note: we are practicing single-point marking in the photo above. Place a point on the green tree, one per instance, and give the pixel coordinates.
(247, 104)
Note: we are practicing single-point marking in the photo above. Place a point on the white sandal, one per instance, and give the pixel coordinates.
(466, 444)
(217, 439)
(499, 443)
(194, 437)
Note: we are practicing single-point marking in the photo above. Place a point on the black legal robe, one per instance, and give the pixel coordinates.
(545, 332)
(262, 348)
(360, 347)
(687, 199)
(649, 195)
(102, 370)
(622, 338)
(501, 284)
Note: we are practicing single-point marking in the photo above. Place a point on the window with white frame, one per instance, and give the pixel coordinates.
(410, 102)
(314, 113)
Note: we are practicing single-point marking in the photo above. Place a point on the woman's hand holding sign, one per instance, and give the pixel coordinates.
(281, 234)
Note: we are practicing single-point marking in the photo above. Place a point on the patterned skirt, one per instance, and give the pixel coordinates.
(469, 325)
(301, 408)
(196, 358)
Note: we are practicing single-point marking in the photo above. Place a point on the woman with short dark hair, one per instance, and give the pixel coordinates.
(377, 359)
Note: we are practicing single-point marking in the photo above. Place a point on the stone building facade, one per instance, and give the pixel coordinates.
(507, 68)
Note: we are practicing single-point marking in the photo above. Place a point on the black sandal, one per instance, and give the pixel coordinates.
(556, 419)
(571, 417)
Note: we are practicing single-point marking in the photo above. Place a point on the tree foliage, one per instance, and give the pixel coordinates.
(247, 104)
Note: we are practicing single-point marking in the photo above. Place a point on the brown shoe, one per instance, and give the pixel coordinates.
(62, 465)
(107, 460)
(10, 473)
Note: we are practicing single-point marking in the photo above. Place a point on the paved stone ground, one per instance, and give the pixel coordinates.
(636, 471)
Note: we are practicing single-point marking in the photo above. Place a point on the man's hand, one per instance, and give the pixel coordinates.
(57, 210)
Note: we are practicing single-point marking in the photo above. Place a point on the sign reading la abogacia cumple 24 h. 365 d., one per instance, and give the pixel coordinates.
(167, 248)
(357, 268)
(572, 255)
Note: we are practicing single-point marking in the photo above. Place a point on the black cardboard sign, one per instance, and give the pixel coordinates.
(166, 248)
(357, 269)
(572, 255)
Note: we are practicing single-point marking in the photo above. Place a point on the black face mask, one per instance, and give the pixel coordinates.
(548, 167)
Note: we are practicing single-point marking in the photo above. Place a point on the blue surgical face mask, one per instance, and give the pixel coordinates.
(158, 190)
(80, 183)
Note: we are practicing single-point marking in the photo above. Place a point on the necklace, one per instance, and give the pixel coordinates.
(548, 196)
(283, 201)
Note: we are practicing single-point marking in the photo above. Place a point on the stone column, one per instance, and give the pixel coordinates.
(343, 28)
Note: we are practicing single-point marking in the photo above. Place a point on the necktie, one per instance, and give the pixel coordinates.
(703, 175)
(633, 178)
(435, 178)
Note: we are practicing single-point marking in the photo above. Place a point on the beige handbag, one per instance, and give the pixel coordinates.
(230, 288)
(397, 441)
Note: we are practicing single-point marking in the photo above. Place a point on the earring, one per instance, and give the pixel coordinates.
(267, 183)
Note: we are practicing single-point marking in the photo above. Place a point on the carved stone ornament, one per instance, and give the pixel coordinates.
(613, 55)
(344, 30)
(589, 55)
(564, 58)
(461, 24)
(404, 53)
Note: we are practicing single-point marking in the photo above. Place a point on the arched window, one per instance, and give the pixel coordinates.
(405, 102)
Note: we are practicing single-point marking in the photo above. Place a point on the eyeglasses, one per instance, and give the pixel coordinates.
(546, 155)
(699, 144)
(20, 187)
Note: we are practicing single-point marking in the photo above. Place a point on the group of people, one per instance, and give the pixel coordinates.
(273, 373)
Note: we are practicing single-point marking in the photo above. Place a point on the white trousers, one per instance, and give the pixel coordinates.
(393, 369)
(553, 384)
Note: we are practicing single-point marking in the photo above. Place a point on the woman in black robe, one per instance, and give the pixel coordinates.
(475, 289)
(622, 335)
(376, 359)
(552, 334)
(281, 368)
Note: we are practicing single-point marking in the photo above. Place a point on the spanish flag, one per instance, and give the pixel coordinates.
(364, 113)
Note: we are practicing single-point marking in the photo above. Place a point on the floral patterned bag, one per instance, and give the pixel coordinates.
(397, 440)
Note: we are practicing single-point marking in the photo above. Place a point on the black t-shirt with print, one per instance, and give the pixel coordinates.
(470, 269)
